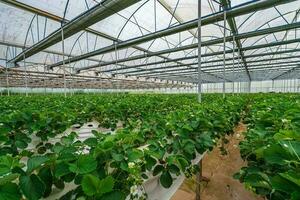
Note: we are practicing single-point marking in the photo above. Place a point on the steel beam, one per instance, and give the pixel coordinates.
(59, 19)
(229, 51)
(232, 24)
(79, 23)
(206, 62)
(11, 44)
(209, 19)
(193, 46)
(251, 68)
(286, 72)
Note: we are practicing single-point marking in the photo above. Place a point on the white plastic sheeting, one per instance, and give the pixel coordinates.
(19, 27)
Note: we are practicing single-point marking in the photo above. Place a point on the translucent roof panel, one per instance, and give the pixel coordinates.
(102, 46)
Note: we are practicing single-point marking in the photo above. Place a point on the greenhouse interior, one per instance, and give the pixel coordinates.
(150, 99)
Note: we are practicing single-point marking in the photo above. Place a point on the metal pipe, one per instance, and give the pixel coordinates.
(280, 75)
(233, 62)
(63, 66)
(207, 62)
(43, 13)
(26, 81)
(209, 19)
(206, 68)
(199, 63)
(97, 13)
(215, 54)
(224, 51)
(204, 43)
(7, 82)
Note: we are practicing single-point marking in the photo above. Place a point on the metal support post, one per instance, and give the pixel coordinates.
(249, 87)
(295, 85)
(63, 54)
(44, 80)
(224, 52)
(199, 54)
(233, 60)
(7, 81)
(26, 80)
(198, 181)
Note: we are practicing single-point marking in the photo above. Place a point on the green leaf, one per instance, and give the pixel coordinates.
(150, 162)
(189, 147)
(35, 162)
(83, 165)
(32, 187)
(174, 169)
(114, 195)
(117, 157)
(92, 142)
(106, 185)
(8, 178)
(187, 127)
(258, 180)
(61, 169)
(134, 155)
(292, 176)
(21, 144)
(158, 169)
(183, 163)
(7, 163)
(275, 154)
(46, 176)
(90, 184)
(10, 191)
(281, 184)
(166, 179)
(295, 195)
(287, 135)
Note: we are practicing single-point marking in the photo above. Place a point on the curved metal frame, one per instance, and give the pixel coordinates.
(145, 62)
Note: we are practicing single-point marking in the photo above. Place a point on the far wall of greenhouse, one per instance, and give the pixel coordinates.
(290, 86)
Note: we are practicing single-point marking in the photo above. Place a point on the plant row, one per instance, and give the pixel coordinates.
(160, 136)
(272, 147)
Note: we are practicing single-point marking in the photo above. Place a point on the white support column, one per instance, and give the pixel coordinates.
(26, 79)
(233, 60)
(224, 53)
(199, 54)
(7, 81)
(63, 66)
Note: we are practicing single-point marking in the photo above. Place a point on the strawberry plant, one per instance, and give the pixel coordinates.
(150, 135)
(272, 147)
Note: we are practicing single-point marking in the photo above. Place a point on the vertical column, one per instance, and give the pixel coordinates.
(224, 53)
(26, 80)
(63, 66)
(249, 86)
(7, 81)
(199, 54)
(199, 174)
(239, 83)
(295, 85)
(233, 59)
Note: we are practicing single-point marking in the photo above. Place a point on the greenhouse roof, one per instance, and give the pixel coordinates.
(151, 43)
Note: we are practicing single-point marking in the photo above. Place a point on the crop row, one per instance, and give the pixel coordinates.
(272, 147)
(160, 135)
